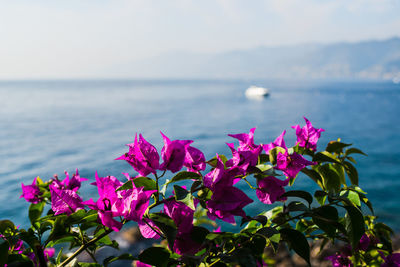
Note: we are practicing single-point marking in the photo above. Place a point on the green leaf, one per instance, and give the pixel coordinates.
(296, 206)
(355, 225)
(368, 203)
(335, 146)
(354, 150)
(3, 252)
(273, 153)
(320, 196)
(76, 217)
(59, 229)
(156, 256)
(325, 156)
(352, 196)
(340, 171)
(298, 242)
(351, 172)
(127, 185)
(331, 178)
(35, 211)
(184, 175)
(88, 264)
(184, 196)
(300, 194)
(315, 176)
(213, 162)
(18, 260)
(166, 225)
(199, 234)
(195, 186)
(66, 239)
(326, 218)
(272, 235)
(125, 256)
(146, 182)
(263, 158)
(6, 224)
(59, 255)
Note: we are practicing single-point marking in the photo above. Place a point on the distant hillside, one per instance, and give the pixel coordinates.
(364, 60)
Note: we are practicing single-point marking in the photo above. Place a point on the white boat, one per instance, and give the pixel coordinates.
(256, 92)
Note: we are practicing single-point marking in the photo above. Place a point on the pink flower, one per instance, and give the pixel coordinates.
(219, 177)
(64, 200)
(194, 160)
(341, 259)
(47, 252)
(109, 204)
(173, 153)
(392, 260)
(73, 184)
(247, 152)
(31, 193)
(135, 202)
(242, 159)
(146, 228)
(270, 189)
(227, 202)
(279, 141)
(141, 264)
(291, 164)
(246, 141)
(307, 136)
(182, 215)
(364, 242)
(142, 156)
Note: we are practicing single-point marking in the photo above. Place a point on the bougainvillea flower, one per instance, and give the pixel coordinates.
(341, 259)
(141, 264)
(307, 136)
(246, 141)
(72, 184)
(31, 193)
(173, 154)
(47, 252)
(64, 200)
(270, 189)
(291, 164)
(75, 182)
(184, 244)
(364, 242)
(243, 158)
(182, 215)
(142, 156)
(136, 202)
(109, 204)
(392, 260)
(219, 177)
(279, 141)
(194, 160)
(18, 245)
(227, 202)
(146, 227)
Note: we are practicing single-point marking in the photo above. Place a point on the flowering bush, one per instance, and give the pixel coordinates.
(186, 218)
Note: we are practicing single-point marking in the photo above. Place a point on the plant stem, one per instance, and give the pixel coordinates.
(84, 247)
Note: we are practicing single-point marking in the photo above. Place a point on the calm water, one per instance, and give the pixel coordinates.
(49, 127)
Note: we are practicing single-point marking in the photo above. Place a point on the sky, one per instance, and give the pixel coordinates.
(47, 39)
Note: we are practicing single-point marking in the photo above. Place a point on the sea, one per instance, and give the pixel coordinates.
(48, 127)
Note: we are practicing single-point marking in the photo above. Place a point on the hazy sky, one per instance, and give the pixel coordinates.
(80, 38)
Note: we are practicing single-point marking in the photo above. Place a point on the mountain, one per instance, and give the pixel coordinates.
(378, 60)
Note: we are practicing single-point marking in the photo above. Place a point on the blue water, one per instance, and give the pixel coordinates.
(49, 127)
